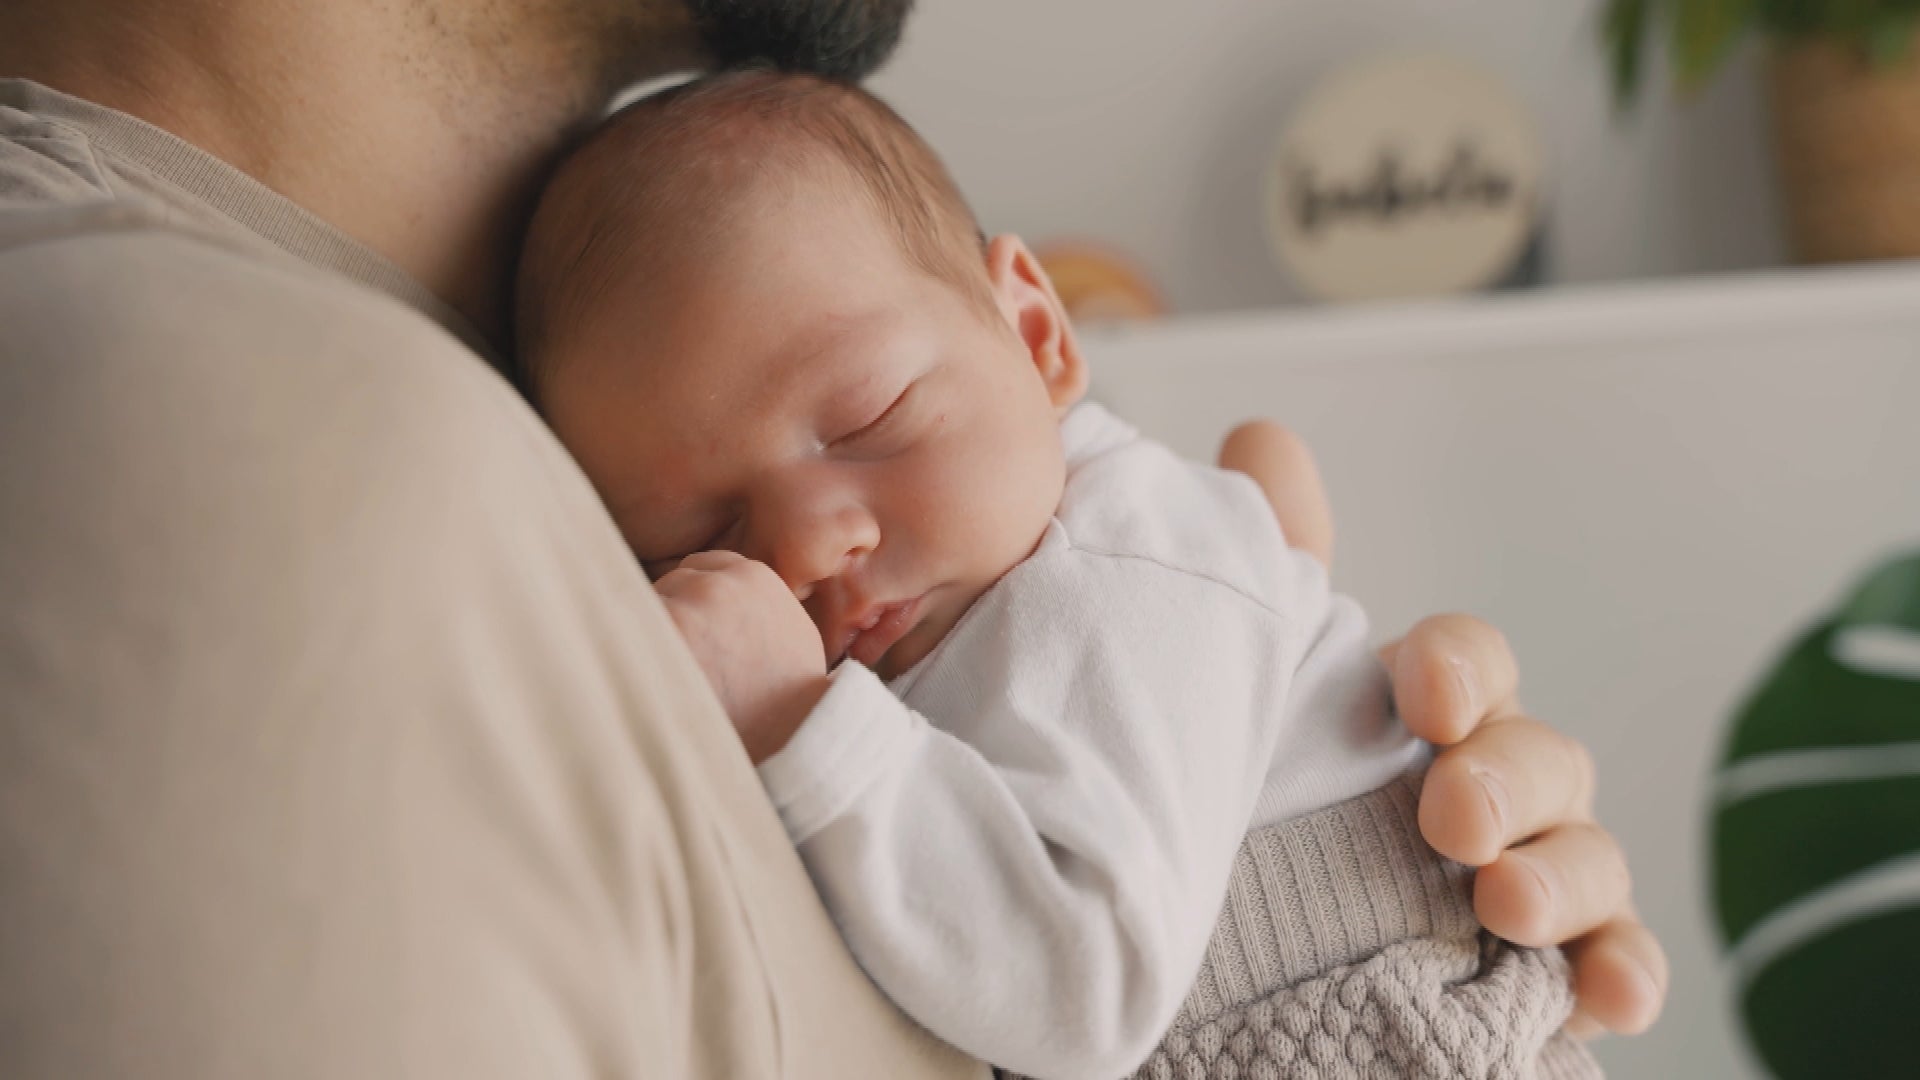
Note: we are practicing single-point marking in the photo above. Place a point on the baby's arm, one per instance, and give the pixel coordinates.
(1034, 872)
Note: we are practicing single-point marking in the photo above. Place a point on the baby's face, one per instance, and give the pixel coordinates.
(809, 398)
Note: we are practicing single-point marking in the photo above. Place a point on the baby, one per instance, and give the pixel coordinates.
(1094, 774)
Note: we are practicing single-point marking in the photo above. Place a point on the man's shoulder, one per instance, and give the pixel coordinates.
(92, 266)
(181, 344)
(115, 283)
(223, 409)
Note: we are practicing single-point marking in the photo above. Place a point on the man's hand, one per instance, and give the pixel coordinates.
(1506, 793)
(1514, 797)
(753, 640)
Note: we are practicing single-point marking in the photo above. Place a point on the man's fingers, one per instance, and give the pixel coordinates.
(1559, 887)
(1508, 780)
(1620, 978)
(1282, 465)
(1450, 673)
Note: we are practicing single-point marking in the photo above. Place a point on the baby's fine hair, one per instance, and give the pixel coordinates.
(671, 170)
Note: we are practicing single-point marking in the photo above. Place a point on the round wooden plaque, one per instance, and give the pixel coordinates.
(1412, 175)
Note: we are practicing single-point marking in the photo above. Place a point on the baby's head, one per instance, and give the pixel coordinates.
(760, 315)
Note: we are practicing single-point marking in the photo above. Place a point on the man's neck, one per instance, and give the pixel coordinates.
(421, 129)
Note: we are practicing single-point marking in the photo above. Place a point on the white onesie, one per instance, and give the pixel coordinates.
(1027, 838)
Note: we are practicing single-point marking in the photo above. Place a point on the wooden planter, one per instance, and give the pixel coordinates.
(1847, 138)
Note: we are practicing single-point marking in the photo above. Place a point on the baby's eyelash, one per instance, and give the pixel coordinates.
(720, 538)
(880, 422)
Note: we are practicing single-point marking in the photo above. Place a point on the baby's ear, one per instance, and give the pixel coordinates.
(1027, 301)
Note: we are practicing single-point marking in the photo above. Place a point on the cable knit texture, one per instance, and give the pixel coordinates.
(1348, 949)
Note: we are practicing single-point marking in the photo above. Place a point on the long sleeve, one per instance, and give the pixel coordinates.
(1033, 867)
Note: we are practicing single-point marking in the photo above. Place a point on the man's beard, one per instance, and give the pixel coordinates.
(843, 39)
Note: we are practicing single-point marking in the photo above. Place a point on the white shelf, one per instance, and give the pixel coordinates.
(1596, 315)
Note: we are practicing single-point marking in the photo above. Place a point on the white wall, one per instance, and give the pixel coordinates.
(1146, 123)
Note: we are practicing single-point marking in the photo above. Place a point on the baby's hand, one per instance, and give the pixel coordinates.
(754, 641)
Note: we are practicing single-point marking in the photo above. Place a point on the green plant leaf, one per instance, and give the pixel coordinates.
(1890, 595)
(1817, 789)
(1704, 32)
(1812, 701)
(1841, 1007)
(1890, 38)
(1623, 30)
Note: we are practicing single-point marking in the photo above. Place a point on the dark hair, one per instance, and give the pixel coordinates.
(678, 163)
(844, 39)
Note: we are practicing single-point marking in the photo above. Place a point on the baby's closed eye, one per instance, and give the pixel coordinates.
(659, 566)
(871, 435)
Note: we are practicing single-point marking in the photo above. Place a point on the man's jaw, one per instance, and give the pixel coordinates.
(847, 40)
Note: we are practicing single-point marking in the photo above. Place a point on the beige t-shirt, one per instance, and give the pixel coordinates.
(339, 733)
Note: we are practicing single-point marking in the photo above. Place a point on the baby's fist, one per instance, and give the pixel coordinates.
(753, 640)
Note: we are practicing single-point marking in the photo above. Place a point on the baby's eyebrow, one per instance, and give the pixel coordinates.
(836, 331)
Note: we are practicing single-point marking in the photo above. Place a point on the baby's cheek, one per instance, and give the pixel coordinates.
(975, 498)
(977, 485)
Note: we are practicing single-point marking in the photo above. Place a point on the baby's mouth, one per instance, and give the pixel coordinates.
(878, 630)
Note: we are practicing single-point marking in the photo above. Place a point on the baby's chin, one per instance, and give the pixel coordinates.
(902, 657)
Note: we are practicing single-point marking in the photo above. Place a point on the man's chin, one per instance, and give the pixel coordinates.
(841, 39)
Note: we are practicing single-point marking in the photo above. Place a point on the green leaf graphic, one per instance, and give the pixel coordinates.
(1818, 805)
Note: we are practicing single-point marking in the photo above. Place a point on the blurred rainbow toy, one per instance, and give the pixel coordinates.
(1099, 285)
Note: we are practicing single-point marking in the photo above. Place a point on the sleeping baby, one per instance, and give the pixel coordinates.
(1095, 775)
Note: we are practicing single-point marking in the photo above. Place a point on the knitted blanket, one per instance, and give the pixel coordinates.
(1348, 950)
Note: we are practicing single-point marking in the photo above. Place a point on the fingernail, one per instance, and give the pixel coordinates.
(1649, 986)
(1537, 876)
(1468, 682)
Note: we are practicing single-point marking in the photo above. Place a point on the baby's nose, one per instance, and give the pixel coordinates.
(807, 577)
(815, 544)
